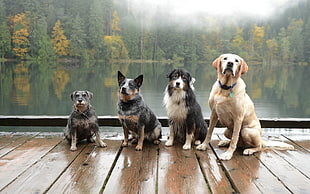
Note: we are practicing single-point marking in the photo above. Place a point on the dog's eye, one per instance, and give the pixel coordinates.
(225, 58)
(237, 60)
(84, 95)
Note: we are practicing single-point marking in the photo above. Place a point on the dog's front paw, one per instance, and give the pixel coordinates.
(202, 147)
(226, 156)
(169, 143)
(224, 143)
(73, 148)
(186, 146)
(139, 148)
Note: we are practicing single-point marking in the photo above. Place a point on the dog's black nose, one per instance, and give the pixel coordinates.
(123, 91)
(230, 64)
(80, 100)
(177, 84)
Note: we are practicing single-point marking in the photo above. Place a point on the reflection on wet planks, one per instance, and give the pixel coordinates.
(39, 163)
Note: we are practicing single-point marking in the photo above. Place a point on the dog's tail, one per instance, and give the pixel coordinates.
(277, 145)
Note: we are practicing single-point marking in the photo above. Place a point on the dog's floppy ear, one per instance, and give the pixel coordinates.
(217, 62)
(170, 74)
(139, 80)
(120, 77)
(72, 95)
(90, 94)
(243, 66)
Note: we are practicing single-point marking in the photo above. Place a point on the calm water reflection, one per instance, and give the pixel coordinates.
(44, 89)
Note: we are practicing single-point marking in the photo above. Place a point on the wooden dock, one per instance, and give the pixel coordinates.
(42, 163)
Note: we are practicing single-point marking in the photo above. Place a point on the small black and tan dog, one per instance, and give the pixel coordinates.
(135, 116)
(82, 122)
(186, 122)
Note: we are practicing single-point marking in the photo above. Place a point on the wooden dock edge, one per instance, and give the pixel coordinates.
(60, 121)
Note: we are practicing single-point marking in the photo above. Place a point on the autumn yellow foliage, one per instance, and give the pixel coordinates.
(60, 42)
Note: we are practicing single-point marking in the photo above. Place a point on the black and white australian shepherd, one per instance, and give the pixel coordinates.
(186, 122)
(133, 113)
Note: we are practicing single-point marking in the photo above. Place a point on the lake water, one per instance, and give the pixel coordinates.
(44, 89)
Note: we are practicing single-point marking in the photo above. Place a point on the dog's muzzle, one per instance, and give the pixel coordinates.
(229, 68)
(80, 101)
(124, 91)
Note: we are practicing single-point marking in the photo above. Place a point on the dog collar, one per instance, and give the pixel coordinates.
(82, 113)
(225, 87)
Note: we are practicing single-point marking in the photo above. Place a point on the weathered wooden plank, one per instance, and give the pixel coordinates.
(88, 171)
(217, 179)
(135, 171)
(179, 171)
(45, 171)
(291, 177)
(248, 174)
(9, 120)
(19, 160)
(11, 142)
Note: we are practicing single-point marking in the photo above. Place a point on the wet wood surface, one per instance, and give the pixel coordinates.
(42, 163)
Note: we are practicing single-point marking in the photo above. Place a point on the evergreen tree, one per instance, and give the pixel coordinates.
(96, 29)
(5, 36)
(77, 38)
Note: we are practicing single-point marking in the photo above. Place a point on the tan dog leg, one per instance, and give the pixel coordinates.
(213, 122)
(251, 137)
(234, 140)
(140, 140)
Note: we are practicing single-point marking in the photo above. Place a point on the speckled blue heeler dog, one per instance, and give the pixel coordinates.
(82, 123)
(135, 116)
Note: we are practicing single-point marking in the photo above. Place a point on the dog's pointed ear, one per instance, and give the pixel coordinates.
(120, 77)
(139, 80)
(72, 95)
(90, 94)
(217, 62)
(244, 67)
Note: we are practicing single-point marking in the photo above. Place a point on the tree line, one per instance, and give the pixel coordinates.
(114, 30)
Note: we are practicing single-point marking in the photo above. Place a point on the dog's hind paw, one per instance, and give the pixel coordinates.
(249, 151)
(202, 147)
(102, 144)
(226, 156)
(224, 143)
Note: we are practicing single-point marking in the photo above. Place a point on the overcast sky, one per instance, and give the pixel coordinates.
(262, 8)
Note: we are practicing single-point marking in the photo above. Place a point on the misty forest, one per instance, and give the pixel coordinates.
(113, 30)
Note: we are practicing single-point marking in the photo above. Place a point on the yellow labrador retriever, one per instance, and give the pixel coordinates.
(230, 104)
